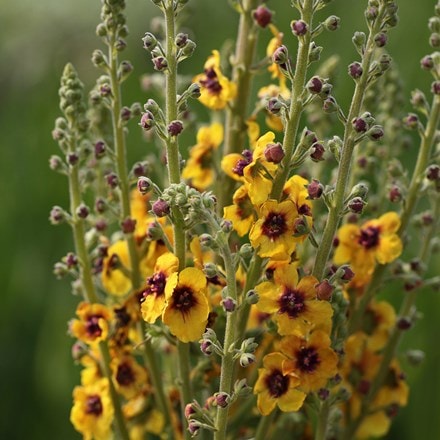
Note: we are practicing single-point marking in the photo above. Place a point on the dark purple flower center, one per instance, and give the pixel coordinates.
(277, 384)
(292, 303)
(94, 405)
(92, 326)
(125, 374)
(183, 299)
(211, 82)
(242, 163)
(369, 237)
(155, 284)
(307, 359)
(274, 225)
(305, 210)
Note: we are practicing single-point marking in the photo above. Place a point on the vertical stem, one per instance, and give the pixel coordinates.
(321, 428)
(347, 152)
(264, 425)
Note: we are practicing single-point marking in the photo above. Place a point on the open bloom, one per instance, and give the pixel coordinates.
(186, 310)
(273, 232)
(311, 359)
(362, 246)
(198, 169)
(93, 323)
(216, 90)
(92, 411)
(275, 388)
(153, 301)
(294, 304)
(241, 213)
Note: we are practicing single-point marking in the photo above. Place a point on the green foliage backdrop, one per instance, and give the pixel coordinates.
(36, 40)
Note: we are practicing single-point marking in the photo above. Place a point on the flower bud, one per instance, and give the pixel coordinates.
(229, 304)
(427, 62)
(194, 427)
(324, 290)
(411, 121)
(360, 125)
(356, 205)
(434, 23)
(226, 226)
(395, 194)
(222, 399)
(160, 207)
(317, 152)
(56, 163)
(175, 128)
(330, 105)
(375, 132)
(355, 70)
(128, 225)
(299, 27)
(300, 227)
(246, 359)
(274, 153)
(100, 205)
(404, 323)
(98, 58)
(435, 87)
(72, 159)
(415, 357)
(144, 185)
(381, 39)
(252, 297)
(274, 106)
(82, 211)
(433, 172)
(323, 393)
(315, 189)
(206, 347)
(150, 41)
(112, 180)
(262, 16)
(71, 260)
(246, 251)
(281, 55)
(181, 40)
(194, 91)
(79, 349)
(105, 90)
(314, 52)
(359, 39)
(100, 149)
(207, 241)
(332, 23)
(147, 121)
(314, 85)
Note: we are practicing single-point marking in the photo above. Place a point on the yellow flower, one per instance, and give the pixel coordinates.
(274, 122)
(139, 207)
(92, 411)
(129, 377)
(362, 246)
(311, 359)
(186, 309)
(295, 189)
(93, 323)
(153, 301)
(273, 232)
(198, 169)
(275, 388)
(216, 90)
(241, 213)
(294, 304)
(273, 45)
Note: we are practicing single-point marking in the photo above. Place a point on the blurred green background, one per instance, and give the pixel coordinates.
(37, 374)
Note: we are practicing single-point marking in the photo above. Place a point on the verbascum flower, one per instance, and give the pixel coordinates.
(273, 388)
(92, 411)
(129, 377)
(215, 89)
(272, 233)
(93, 323)
(139, 207)
(295, 189)
(186, 309)
(273, 121)
(241, 213)
(311, 358)
(153, 301)
(274, 68)
(363, 246)
(198, 169)
(378, 321)
(294, 304)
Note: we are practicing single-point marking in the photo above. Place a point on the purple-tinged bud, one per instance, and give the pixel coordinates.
(206, 347)
(281, 55)
(435, 87)
(105, 90)
(125, 114)
(189, 410)
(300, 227)
(246, 359)
(371, 13)
(347, 274)
(362, 162)
(207, 241)
(229, 304)
(404, 323)
(101, 225)
(411, 121)
(360, 125)
(315, 189)
(222, 399)
(150, 41)
(226, 226)
(274, 153)
(112, 180)
(175, 128)
(193, 427)
(375, 132)
(181, 39)
(82, 211)
(160, 63)
(147, 121)
(128, 225)
(330, 105)
(317, 153)
(427, 62)
(381, 39)
(392, 410)
(433, 172)
(56, 163)
(161, 208)
(332, 23)
(395, 194)
(323, 393)
(427, 219)
(72, 159)
(434, 40)
(355, 70)
(314, 85)
(120, 45)
(79, 349)
(274, 106)
(324, 290)
(262, 16)
(139, 169)
(194, 91)
(71, 260)
(60, 270)
(98, 58)
(143, 185)
(356, 205)
(100, 149)
(100, 205)
(299, 27)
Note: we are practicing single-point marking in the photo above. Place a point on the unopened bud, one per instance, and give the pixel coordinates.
(112, 180)
(100, 149)
(222, 399)
(128, 225)
(274, 106)
(262, 16)
(411, 121)
(160, 63)
(355, 70)
(332, 23)
(324, 290)
(427, 62)
(281, 55)
(181, 39)
(246, 251)
(252, 297)
(356, 205)
(143, 185)
(375, 133)
(395, 194)
(175, 128)
(315, 189)
(150, 41)
(381, 39)
(330, 105)
(415, 357)
(314, 85)
(160, 207)
(206, 347)
(317, 152)
(147, 121)
(433, 172)
(82, 211)
(229, 304)
(435, 87)
(274, 153)
(299, 27)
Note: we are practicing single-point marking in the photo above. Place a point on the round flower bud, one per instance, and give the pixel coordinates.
(315, 189)
(150, 41)
(246, 251)
(246, 359)
(330, 105)
(105, 90)
(433, 172)
(112, 180)
(161, 208)
(100, 205)
(98, 58)
(324, 290)
(175, 128)
(317, 153)
(355, 70)
(160, 63)
(125, 114)
(404, 323)
(128, 225)
(375, 132)
(120, 45)
(347, 273)
(72, 159)
(381, 39)
(356, 205)
(411, 121)
(189, 410)
(143, 185)
(82, 211)
(427, 62)
(206, 347)
(181, 39)
(252, 297)
(194, 91)
(434, 40)
(415, 357)
(56, 163)
(274, 105)
(360, 125)
(71, 260)
(332, 23)
(100, 149)
(281, 55)
(395, 194)
(147, 121)
(435, 87)
(262, 16)
(222, 399)
(229, 304)
(359, 39)
(314, 85)
(193, 427)
(323, 393)
(274, 153)
(299, 27)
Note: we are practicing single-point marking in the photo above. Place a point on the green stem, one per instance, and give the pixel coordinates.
(347, 153)
(235, 124)
(89, 290)
(321, 429)
(264, 425)
(296, 106)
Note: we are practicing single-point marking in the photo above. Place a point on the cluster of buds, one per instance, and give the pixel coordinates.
(245, 354)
